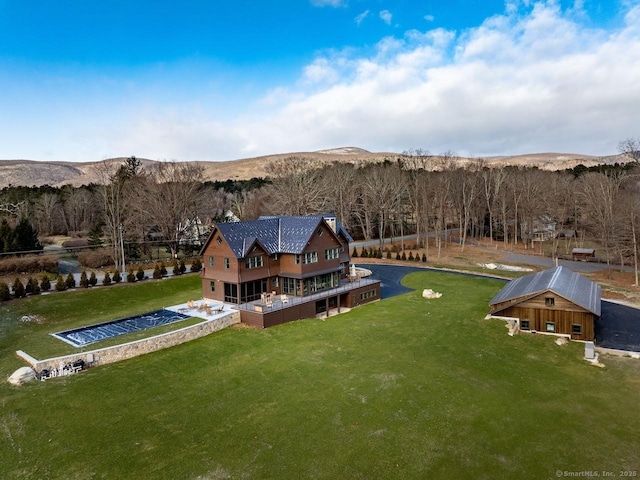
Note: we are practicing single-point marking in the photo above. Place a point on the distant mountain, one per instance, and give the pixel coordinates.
(35, 173)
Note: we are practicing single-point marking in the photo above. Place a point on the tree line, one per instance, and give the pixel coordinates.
(415, 192)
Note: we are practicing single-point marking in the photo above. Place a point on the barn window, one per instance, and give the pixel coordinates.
(524, 324)
(211, 261)
(550, 327)
(213, 285)
(576, 329)
(226, 263)
(549, 301)
(218, 239)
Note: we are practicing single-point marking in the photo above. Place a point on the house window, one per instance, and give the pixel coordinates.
(289, 285)
(226, 263)
(211, 261)
(524, 325)
(218, 239)
(319, 232)
(253, 262)
(550, 327)
(274, 282)
(212, 283)
(309, 257)
(549, 301)
(576, 329)
(331, 253)
(369, 294)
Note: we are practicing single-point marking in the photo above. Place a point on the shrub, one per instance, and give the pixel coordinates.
(32, 287)
(5, 293)
(398, 256)
(131, 277)
(18, 289)
(61, 286)
(355, 253)
(410, 256)
(424, 258)
(93, 280)
(175, 268)
(75, 243)
(417, 258)
(70, 281)
(379, 253)
(196, 265)
(45, 283)
(157, 273)
(388, 254)
(29, 264)
(95, 258)
(106, 281)
(84, 280)
(183, 267)
(117, 278)
(140, 273)
(404, 256)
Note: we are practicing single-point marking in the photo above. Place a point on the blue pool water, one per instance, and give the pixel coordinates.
(80, 337)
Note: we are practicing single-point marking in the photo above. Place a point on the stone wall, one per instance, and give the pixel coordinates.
(116, 353)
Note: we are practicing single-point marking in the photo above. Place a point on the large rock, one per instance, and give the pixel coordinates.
(428, 293)
(22, 375)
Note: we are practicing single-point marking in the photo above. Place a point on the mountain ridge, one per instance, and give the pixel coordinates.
(58, 173)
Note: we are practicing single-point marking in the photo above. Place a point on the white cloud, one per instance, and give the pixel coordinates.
(530, 80)
(361, 17)
(386, 16)
(429, 18)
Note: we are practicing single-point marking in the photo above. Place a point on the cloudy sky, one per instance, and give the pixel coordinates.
(216, 80)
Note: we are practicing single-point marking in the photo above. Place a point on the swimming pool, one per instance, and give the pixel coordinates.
(79, 337)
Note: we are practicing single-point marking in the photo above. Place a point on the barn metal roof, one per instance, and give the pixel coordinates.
(274, 234)
(560, 280)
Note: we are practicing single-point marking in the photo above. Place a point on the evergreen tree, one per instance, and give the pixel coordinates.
(183, 267)
(410, 256)
(140, 273)
(157, 273)
(6, 236)
(32, 287)
(93, 280)
(131, 276)
(5, 293)
(95, 235)
(106, 281)
(18, 289)
(84, 280)
(424, 258)
(404, 256)
(196, 265)
(45, 283)
(355, 253)
(388, 254)
(398, 256)
(117, 278)
(175, 268)
(25, 237)
(61, 286)
(163, 270)
(70, 281)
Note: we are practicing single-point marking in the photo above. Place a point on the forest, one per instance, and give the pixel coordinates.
(134, 209)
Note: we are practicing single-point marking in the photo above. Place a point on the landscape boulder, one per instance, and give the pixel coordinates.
(562, 341)
(428, 293)
(22, 375)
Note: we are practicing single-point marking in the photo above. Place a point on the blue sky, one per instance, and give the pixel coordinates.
(213, 80)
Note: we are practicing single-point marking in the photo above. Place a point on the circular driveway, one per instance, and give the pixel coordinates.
(617, 328)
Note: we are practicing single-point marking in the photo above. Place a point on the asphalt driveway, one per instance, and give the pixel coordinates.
(618, 327)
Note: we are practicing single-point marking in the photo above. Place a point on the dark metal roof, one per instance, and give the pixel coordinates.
(274, 234)
(560, 280)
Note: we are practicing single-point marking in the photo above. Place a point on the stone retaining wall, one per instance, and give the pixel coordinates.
(116, 353)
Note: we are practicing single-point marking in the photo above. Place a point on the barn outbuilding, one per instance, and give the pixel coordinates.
(555, 301)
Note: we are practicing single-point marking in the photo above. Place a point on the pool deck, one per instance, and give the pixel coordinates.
(205, 309)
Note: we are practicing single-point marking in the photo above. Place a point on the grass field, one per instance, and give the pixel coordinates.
(405, 388)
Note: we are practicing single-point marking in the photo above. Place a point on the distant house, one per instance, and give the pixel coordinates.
(279, 269)
(584, 254)
(556, 301)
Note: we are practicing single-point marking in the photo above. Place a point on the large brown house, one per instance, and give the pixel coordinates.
(556, 301)
(279, 269)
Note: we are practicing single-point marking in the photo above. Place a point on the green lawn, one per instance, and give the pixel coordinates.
(405, 388)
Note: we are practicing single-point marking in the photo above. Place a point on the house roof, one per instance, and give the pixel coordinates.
(560, 280)
(274, 234)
